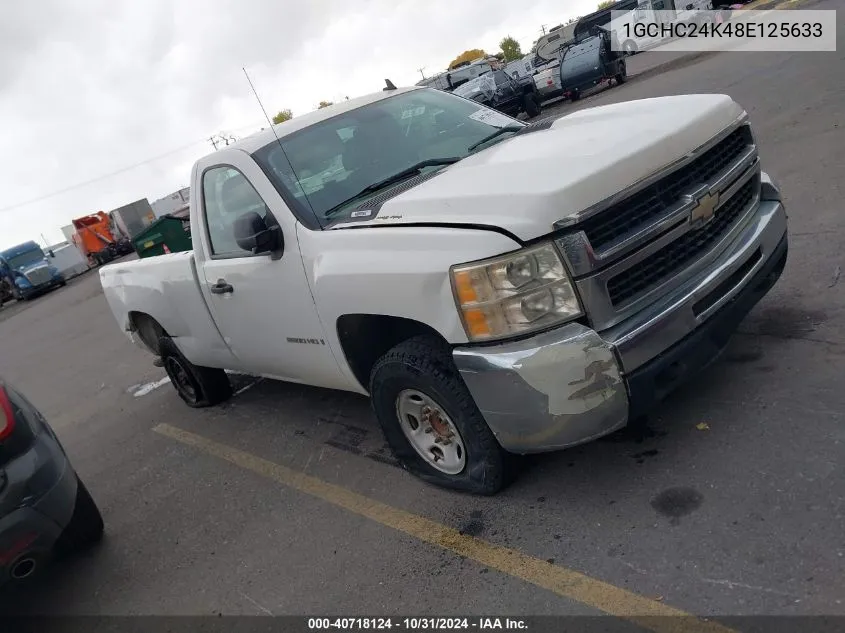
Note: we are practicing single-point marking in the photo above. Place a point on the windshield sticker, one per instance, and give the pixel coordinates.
(412, 112)
(491, 117)
(364, 213)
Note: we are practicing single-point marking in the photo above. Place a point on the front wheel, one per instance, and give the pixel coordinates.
(432, 423)
(531, 104)
(575, 95)
(197, 386)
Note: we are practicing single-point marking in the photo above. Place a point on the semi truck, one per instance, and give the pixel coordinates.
(95, 238)
(28, 271)
(495, 287)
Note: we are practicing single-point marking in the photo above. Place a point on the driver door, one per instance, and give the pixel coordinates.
(262, 306)
(506, 95)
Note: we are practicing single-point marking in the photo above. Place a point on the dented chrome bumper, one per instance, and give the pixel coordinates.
(554, 390)
(571, 385)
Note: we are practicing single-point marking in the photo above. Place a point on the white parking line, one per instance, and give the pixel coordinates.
(143, 390)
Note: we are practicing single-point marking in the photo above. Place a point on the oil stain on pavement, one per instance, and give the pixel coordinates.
(675, 503)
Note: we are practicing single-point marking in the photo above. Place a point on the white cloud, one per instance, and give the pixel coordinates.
(93, 86)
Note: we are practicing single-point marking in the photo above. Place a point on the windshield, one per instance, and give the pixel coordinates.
(334, 161)
(484, 85)
(25, 259)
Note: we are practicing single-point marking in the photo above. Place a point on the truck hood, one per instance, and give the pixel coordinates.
(528, 182)
(28, 268)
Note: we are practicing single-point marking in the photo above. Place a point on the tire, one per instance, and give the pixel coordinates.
(531, 104)
(630, 47)
(198, 386)
(85, 528)
(423, 367)
(622, 76)
(575, 95)
(63, 283)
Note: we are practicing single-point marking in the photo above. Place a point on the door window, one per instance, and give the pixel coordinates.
(227, 195)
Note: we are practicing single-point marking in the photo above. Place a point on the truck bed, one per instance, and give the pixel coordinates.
(167, 288)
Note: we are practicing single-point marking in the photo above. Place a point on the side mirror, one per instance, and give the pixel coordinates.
(252, 234)
(52, 254)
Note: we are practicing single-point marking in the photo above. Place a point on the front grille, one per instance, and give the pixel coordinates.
(38, 276)
(675, 256)
(645, 206)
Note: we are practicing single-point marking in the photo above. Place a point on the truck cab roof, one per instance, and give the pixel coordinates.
(14, 251)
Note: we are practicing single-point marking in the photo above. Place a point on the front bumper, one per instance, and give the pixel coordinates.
(32, 290)
(572, 384)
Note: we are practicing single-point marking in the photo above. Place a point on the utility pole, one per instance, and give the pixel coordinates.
(223, 138)
(543, 28)
(421, 71)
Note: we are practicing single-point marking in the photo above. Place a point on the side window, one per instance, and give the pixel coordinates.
(227, 195)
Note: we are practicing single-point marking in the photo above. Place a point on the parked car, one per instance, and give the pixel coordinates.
(44, 506)
(590, 62)
(499, 91)
(495, 287)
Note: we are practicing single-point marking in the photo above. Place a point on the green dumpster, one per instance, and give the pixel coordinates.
(166, 235)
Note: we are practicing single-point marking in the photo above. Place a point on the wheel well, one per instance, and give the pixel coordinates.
(148, 330)
(367, 337)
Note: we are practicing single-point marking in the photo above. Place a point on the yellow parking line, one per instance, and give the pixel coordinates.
(648, 614)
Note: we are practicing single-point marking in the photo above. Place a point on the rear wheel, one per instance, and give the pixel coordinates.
(575, 95)
(86, 525)
(531, 104)
(197, 386)
(431, 421)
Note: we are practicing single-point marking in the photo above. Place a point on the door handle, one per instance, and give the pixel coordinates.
(221, 287)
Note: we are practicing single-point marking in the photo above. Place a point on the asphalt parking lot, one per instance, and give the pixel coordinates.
(730, 500)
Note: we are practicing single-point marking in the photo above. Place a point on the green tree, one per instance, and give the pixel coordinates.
(467, 56)
(324, 104)
(282, 116)
(510, 49)
(604, 4)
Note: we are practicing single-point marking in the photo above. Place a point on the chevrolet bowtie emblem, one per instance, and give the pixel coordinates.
(704, 211)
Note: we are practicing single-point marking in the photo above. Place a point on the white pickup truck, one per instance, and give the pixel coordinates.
(496, 288)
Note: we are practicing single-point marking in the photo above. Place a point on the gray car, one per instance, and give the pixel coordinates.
(44, 507)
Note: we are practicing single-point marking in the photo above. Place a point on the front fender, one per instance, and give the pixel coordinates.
(393, 271)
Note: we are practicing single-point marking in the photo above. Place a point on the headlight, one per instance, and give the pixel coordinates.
(22, 282)
(524, 291)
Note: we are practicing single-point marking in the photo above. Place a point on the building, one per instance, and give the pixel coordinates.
(176, 201)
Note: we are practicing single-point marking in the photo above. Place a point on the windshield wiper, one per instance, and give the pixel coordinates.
(499, 132)
(413, 170)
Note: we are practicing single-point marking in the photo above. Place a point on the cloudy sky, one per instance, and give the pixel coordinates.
(105, 102)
